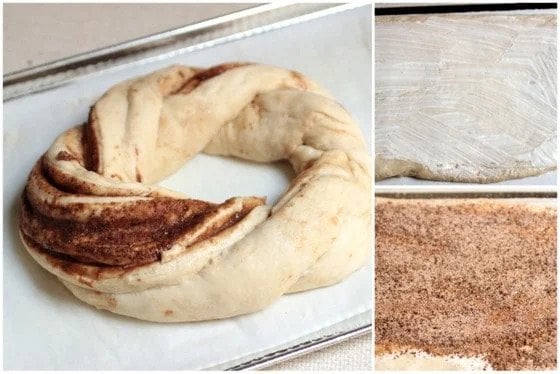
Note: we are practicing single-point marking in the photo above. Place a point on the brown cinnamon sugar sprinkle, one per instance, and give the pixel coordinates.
(470, 278)
(125, 234)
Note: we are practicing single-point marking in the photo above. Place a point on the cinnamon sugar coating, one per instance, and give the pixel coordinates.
(473, 278)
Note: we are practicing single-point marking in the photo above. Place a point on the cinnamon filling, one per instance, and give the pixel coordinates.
(122, 234)
(473, 279)
(204, 75)
(90, 139)
(90, 142)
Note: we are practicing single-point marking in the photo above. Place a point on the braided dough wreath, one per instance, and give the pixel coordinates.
(92, 216)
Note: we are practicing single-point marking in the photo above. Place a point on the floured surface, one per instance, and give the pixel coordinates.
(474, 278)
(465, 98)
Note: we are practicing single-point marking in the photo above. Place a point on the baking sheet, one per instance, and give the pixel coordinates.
(45, 327)
(353, 327)
(546, 179)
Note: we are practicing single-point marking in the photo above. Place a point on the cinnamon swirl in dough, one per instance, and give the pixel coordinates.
(92, 215)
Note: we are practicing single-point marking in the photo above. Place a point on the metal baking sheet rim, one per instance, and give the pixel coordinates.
(466, 190)
(259, 360)
(230, 27)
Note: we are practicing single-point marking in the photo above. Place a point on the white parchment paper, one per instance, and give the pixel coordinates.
(45, 327)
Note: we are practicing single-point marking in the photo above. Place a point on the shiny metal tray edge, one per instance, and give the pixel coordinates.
(468, 190)
(468, 195)
(301, 349)
(234, 26)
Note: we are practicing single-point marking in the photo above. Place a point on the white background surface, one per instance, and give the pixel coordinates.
(47, 328)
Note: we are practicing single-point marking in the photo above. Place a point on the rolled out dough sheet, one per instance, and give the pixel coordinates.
(465, 97)
(465, 284)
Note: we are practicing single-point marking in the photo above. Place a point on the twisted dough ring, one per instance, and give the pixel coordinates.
(91, 216)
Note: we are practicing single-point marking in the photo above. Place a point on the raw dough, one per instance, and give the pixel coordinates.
(465, 98)
(91, 216)
(465, 283)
